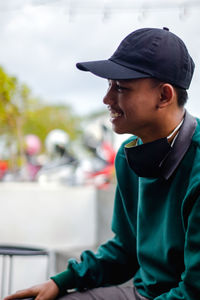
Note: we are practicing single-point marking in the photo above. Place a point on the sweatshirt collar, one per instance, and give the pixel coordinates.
(180, 146)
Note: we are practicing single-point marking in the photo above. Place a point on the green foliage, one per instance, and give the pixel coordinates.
(7, 92)
(22, 114)
(44, 118)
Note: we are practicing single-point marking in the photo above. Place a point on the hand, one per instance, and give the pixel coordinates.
(45, 291)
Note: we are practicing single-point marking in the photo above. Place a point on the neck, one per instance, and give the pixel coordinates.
(164, 128)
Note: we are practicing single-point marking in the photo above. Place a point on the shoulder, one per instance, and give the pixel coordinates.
(195, 145)
(120, 161)
(125, 142)
(192, 159)
(196, 136)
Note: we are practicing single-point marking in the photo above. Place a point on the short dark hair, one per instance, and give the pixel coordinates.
(182, 95)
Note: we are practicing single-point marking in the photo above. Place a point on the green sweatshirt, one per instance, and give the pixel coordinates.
(156, 223)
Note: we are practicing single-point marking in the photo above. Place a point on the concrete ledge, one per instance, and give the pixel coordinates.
(50, 216)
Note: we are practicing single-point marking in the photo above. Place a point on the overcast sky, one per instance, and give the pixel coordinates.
(41, 41)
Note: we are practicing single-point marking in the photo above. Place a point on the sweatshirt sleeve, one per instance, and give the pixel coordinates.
(114, 263)
(110, 265)
(189, 286)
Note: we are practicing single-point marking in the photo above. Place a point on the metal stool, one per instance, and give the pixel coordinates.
(10, 251)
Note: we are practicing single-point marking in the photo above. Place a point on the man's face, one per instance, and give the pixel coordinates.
(132, 105)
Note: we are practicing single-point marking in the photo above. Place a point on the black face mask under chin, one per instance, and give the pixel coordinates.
(146, 159)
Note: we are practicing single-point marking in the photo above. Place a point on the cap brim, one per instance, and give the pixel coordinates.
(110, 70)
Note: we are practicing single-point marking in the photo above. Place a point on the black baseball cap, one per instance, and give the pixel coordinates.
(147, 52)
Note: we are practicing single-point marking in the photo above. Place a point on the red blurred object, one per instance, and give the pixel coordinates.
(103, 177)
(3, 168)
(109, 152)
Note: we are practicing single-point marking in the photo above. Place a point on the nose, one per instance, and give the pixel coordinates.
(106, 99)
(109, 97)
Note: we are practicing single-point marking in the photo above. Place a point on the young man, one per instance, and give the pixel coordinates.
(157, 203)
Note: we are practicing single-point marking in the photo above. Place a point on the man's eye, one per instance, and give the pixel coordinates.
(120, 88)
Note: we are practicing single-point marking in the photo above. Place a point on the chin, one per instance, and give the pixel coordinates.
(119, 130)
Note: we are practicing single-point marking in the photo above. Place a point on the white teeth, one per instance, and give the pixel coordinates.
(115, 115)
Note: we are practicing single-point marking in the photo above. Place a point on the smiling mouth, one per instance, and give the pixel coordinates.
(115, 114)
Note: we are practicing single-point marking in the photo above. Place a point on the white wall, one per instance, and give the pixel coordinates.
(52, 216)
(62, 219)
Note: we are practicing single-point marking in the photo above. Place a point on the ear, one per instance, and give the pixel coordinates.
(167, 94)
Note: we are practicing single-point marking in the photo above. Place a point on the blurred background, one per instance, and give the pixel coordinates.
(57, 148)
